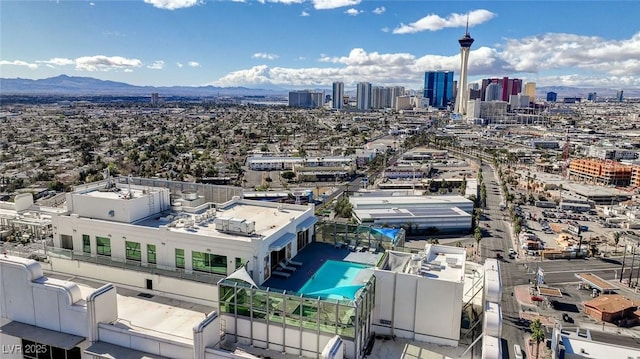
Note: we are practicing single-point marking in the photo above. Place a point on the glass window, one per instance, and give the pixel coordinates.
(179, 258)
(133, 251)
(151, 253)
(103, 246)
(86, 243)
(207, 262)
(240, 262)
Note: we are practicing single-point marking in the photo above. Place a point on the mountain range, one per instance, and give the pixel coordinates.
(76, 86)
(72, 85)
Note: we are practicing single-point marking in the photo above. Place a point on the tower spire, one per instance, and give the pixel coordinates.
(466, 32)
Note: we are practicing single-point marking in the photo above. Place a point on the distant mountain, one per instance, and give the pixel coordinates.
(567, 91)
(71, 85)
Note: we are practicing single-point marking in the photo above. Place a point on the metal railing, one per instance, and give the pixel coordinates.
(202, 277)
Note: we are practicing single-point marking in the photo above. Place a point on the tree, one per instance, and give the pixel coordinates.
(477, 235)
(288, 175)
(537, 334)
(616, 239)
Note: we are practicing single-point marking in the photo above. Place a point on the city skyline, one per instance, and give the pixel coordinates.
(307, 44)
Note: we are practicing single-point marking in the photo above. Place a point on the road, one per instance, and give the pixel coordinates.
(497, 239)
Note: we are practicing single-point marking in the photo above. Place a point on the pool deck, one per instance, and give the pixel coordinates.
(313, 256)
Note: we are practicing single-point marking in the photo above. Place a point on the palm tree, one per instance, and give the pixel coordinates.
(537, 334)
(616, 240)
(477, 235)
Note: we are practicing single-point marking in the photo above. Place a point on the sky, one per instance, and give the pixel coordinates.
(298, 44)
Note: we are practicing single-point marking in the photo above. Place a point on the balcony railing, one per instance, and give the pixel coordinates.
(134, 266)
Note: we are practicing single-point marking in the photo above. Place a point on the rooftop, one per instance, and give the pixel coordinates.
(156, 316)
(611, 303)
(435, 262)
(268, 218)
(405, 200)
(583, 345)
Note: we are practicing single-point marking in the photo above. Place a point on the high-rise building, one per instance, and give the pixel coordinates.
(620, 96)
(306, 99)
(364, 96)
(380, 97)
(338, 95)
(396, 91)
(592, 96)
(552, 96)
(438, 88)
(463, 91)
(154, 98)
(493, 92)
(509, 87)
(530, 90)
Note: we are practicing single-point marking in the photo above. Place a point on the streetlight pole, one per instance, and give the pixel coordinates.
(624, 256)
(633, 257)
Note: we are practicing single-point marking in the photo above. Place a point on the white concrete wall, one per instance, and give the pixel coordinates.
(124, 210)
(438, 309)
(206, 335)
(30, 298)
(23, 201)
(405, 302)
(202, 293)
(420, 308)
(129, 338)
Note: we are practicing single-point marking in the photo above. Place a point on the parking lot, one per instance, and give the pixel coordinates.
(549, 223)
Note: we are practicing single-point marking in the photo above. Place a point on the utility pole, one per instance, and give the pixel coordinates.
(633, 257)
(624, 256)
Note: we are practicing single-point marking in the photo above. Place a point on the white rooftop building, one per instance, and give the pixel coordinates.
(152, 239)
(446, 213)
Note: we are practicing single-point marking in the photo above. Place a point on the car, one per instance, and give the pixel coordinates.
(566, 318)
(517, 352)
(512, 251)
(487, 225)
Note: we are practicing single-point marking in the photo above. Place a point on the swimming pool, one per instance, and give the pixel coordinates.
(336, 280)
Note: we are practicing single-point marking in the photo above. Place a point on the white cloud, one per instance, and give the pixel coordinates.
(353, 12)
(561, 51)
(179, 64)
(304, 13)
(379, 10)
(193, 64)
(434, 22)
(385, 29)
(92, 4)
(57, 61)
(333, 4)
(156, 65)
(588, 61)
(173, 4)
(105, 63)
(262, 55)
(19, 63)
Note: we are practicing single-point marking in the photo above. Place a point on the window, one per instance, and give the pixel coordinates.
(151, 253)
(103, 246)
(179, 258)
(211, 263)
(133, 251)
(86, 243)
(240, 262)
